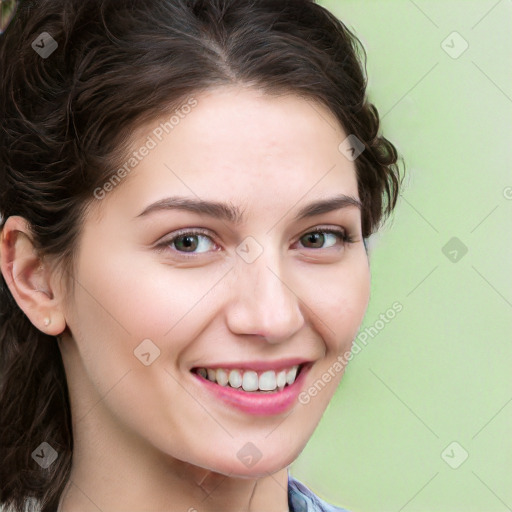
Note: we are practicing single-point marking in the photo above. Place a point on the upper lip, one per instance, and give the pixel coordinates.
(281, 364)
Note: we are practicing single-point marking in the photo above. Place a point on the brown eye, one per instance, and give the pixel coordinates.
(318, 238)
(188, 243)
(185, 242)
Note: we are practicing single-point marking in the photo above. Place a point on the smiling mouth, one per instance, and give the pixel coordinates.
(251, 381)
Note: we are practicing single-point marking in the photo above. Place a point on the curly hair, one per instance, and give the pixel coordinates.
(66, 122)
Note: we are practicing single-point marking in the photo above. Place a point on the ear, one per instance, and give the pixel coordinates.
(27, 278)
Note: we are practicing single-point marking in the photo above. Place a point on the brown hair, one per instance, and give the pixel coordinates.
(67, 119)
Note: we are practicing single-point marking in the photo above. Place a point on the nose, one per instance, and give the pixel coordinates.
(263, 301)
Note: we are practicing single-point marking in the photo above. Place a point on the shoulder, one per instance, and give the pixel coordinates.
(302, 499)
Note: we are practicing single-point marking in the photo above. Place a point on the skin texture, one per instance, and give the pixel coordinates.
(149, 438)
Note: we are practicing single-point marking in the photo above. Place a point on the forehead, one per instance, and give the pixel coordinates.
(243, 146)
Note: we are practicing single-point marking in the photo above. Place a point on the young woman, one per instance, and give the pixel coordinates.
(187, 187)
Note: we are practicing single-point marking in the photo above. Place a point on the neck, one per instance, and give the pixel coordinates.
(210, 493)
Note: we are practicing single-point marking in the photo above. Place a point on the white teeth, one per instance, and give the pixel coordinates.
(221, 377)
(267, 381)
(291, 374)
(235, 379)
(249, 380)
(281, 379)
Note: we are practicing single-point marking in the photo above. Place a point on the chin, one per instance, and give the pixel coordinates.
(262, 468)
(256, 472)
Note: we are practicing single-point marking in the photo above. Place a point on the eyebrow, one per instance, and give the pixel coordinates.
(233, 214)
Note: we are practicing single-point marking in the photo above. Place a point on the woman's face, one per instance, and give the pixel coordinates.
(148, 309)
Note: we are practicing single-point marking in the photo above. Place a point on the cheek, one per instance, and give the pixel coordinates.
(340, 303)
(355, 295)
(139, 296)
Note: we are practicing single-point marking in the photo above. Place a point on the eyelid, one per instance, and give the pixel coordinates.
(321, 228)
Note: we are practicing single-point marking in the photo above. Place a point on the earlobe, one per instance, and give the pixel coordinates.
(27, 279)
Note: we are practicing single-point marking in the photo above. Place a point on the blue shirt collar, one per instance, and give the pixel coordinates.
(302, 499)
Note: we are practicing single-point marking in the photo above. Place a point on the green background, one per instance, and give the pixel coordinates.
(440, 371)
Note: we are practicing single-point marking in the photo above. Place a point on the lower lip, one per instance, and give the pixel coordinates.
(254, 402)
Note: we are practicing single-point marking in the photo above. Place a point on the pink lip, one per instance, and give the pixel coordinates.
(258, 366)
(254, 402)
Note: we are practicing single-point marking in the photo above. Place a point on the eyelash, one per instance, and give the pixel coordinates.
(164, 246)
